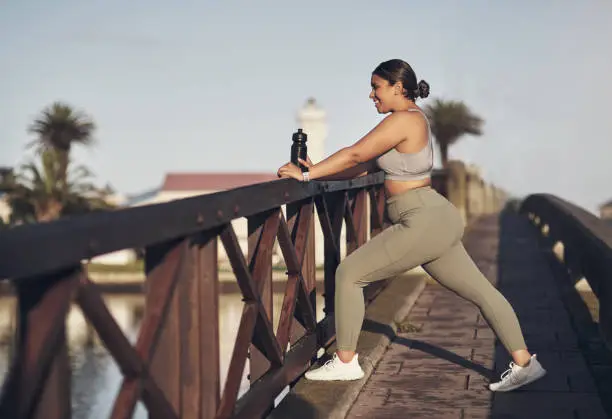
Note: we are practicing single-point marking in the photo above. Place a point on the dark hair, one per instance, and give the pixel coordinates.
(398, 70)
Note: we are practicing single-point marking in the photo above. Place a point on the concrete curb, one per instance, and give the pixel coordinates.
(333, 400)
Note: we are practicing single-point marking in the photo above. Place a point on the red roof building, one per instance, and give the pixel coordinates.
(213, 181)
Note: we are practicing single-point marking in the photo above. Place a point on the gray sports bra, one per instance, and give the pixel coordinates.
(408, 166)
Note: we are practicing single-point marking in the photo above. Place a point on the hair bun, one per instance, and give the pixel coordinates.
(423, 88)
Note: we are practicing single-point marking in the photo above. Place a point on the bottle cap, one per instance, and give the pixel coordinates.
(300, 136)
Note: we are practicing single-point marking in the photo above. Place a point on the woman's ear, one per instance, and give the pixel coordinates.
(398, 88)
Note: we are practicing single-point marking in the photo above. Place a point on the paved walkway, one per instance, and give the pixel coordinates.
(441, 370)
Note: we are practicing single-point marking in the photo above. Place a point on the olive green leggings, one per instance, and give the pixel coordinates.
(427, 230)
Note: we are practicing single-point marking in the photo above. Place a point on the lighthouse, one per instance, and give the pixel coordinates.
(312, 119)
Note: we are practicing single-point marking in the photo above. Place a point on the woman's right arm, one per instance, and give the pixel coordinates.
(356, 171)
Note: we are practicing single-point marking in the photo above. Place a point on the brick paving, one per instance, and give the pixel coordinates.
(441, 370)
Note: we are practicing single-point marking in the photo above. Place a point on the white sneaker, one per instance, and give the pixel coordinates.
(518, 376)
(335, 369)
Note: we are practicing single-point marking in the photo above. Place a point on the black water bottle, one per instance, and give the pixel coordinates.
(298, 148)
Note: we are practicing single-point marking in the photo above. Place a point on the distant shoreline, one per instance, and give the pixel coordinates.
(122, 282)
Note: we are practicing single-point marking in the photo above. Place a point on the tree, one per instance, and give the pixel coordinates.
(43, 193)
(450, 120)
(58, 128)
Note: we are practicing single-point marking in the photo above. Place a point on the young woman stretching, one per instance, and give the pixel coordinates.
(427, 229)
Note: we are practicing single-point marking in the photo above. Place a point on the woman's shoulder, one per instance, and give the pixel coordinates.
(414, 119)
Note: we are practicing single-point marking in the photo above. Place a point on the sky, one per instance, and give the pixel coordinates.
(215, 86)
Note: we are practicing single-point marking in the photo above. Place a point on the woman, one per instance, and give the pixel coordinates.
(426, 230)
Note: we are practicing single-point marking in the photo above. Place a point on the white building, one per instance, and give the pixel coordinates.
(312, 119)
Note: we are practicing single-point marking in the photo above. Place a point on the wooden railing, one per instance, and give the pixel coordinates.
(583, 242)
(173, 367)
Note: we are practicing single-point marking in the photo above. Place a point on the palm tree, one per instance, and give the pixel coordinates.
(450, 120)
(58, 128)
(39, 195)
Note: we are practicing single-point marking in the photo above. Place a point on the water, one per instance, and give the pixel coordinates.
(96, 378)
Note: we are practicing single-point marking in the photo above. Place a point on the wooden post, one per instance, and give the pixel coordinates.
(208, 275)
(335, 205)
(38, 383)
(377, 210)
(309, 266)
(358, 208)
(439, 180)
(199, 330)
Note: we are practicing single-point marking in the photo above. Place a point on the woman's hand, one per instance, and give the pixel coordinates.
(290, 170)
(306, 163)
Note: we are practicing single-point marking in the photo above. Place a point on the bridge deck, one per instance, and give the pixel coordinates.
(441, 369)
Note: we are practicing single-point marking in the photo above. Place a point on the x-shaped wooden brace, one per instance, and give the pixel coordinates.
(255, 325)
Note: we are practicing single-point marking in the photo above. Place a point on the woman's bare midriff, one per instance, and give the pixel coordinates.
(397, 187)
